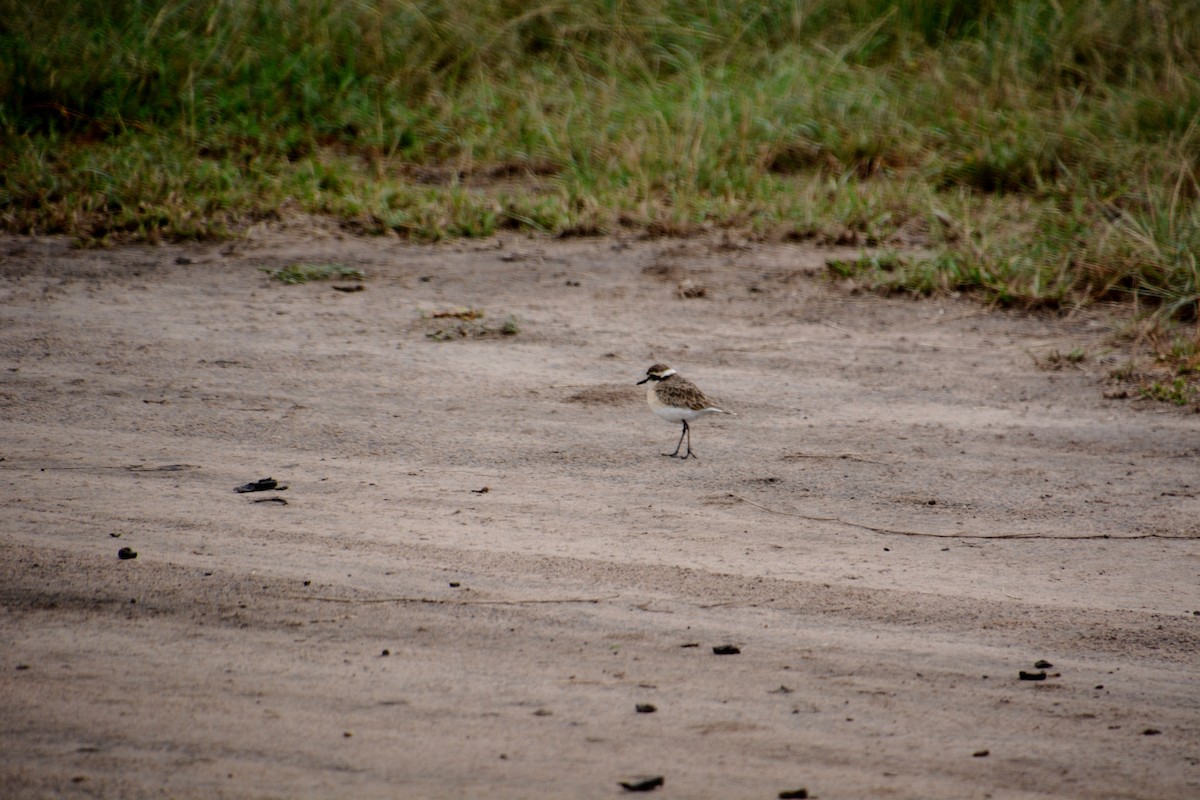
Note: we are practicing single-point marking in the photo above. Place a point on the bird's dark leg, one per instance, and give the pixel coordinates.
(680, 443)
(690, 454)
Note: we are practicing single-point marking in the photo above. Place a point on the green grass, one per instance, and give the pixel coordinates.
(1041, 154)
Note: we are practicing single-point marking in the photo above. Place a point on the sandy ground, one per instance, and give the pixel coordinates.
(482, 564)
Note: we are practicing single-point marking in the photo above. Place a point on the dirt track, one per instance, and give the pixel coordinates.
(906, 513)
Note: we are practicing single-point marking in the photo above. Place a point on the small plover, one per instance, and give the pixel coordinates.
(676, 399)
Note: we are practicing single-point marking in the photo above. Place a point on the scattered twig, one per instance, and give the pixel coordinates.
(127, 467)
(987, 347)
(1023, 345)
(646, 607)
(443, 602)
(956, 317)
(927, 534)
(768, 345)
(845, 456)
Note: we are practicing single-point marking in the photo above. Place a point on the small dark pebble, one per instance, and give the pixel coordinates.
(646, 708)
(386, 652)
(22, 666)
(794, 794)
(126, 553)
(727, 650)
(260, 485)
(308, 583)
(1043, 664)
(1099, 686)
(1032, 676)
(352, 287)
(980, 754)
(115, 535)
(690, 644)
(484, 490)
(184, 260)
(645, 785)
(1151, 732)
(455, 584)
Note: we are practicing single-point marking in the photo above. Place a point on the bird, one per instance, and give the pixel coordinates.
(676, 399)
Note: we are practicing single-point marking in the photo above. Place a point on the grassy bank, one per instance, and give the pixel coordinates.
(1044, 153)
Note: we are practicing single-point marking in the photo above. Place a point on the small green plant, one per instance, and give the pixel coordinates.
(1177, 391)
(1185, 355)
(1056, 360)
(294, 274)
(948, 272)
(1123, 373)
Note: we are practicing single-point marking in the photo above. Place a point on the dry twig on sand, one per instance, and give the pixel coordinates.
(447, 602)
(927, 534)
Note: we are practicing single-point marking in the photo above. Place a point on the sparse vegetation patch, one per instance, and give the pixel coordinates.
(303, 273)
(468, 323)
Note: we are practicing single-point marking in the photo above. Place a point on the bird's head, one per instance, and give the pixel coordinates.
(657, 372)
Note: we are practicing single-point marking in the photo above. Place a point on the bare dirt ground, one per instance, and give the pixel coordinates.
(484, 565)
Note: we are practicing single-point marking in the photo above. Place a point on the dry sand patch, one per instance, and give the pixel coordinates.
(481, 564)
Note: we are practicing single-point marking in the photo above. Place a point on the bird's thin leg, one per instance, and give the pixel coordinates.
(680, 444)
(690, 454)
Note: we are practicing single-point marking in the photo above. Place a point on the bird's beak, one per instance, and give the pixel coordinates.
(643, 380)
